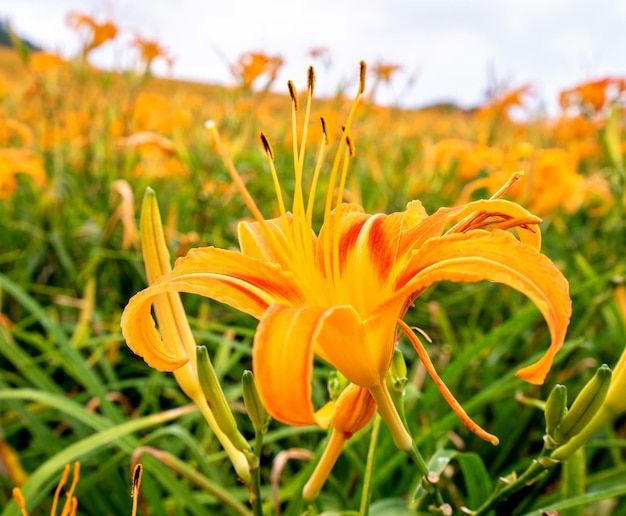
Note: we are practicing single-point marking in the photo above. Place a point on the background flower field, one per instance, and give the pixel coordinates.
(79, 147)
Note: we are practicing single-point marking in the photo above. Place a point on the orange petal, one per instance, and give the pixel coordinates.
(282, 362)
(282, 357)
(232, 278)
(495, 256)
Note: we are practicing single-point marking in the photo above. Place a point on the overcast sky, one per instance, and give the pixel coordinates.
(450, 50)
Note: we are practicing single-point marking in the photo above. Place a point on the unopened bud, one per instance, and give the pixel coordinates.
(585, 405)
(556, 408)
(254, 407)
(215, 396)
(398, 371)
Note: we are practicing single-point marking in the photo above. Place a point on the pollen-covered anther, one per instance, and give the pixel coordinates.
(362, 73)
(293, 93)
(350, 143)
(310, 80)
(266, 145)
(323, 121)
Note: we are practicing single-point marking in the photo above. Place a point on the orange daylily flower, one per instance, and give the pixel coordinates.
(95, 34)
(19, 161)
(151, 50)
(251, 65)
(593, 95)
(340, 294)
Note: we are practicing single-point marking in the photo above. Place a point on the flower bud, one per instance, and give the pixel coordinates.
(353, 410)
(216, 399)
(254, 407)
(398, 371)
(585, 406)
(556, 408)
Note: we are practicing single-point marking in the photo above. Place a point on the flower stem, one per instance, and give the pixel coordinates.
(402, 438)
(255, 473)
(369, 468)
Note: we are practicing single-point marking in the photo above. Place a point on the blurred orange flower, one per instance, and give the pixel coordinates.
(590, 97)
(251, 65)
(19, 161)
(151, 50)
(94, 33)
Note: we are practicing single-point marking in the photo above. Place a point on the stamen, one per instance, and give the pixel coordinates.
(293, 93)
(270, 159)
(515, 177)
(234, 175)
(71, 502)
(267, 146)
(137, 473)
(310, 83)
(443, 388)
(350, 143)
(316, 175)
(328, 260)
(57, 493)
(324, 130)
(241, 186)
(19, 500)
(362, 73)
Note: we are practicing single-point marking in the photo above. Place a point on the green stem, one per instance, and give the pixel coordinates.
(366, 495)
(255, 473)
(530, 476)
(428, 483)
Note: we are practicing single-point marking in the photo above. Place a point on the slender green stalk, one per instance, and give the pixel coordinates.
(366, 495)
(255, 473)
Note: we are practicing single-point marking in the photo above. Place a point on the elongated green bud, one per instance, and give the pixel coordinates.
(556, 408)
(254, 407)
(398, 371)
(217, 401)
(585, 405)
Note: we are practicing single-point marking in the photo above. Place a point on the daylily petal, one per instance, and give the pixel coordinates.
(288, 337)
(282, 362)
(244, 283)
(341, 340)
(495, 256)
(365, 252)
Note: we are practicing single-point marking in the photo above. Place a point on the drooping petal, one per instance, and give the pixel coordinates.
(494, 256)
(286, 340)
(232, 278)
(282, 362)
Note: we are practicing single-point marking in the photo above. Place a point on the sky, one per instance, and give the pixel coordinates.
(449, 50)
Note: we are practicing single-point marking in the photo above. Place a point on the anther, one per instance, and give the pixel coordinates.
(324, 130)
(362, 71)
(266, 145)
(136, 479)
(350, 144)
(310, 82)
(293, 94)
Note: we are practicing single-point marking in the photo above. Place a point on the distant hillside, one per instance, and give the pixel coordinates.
(5, 38)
